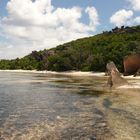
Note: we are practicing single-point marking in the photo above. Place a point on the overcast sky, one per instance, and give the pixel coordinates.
(27, 25)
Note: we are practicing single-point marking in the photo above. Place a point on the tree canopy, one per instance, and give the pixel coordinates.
(86, 54)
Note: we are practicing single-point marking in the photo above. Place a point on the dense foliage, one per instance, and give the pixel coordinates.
(87, 54)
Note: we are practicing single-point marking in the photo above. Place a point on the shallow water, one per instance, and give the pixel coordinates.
(59, 107)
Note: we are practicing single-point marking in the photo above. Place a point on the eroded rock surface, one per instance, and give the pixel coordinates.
(131, 64)
(137, 73)
(115, 78)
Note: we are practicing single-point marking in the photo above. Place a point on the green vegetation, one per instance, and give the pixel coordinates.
(87, 54)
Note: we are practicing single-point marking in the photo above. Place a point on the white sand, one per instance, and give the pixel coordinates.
(134, 82)
(72, 73)
(23, 71)
(131, 77)
(132, 86)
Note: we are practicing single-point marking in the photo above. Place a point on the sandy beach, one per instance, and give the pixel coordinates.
(72, 73)
(134, 82)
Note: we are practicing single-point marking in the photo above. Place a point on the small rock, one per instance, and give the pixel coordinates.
(92, 138)
(58, 117)
(100, 125)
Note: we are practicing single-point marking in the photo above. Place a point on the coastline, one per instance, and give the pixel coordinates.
(134, 82)
(71, 73)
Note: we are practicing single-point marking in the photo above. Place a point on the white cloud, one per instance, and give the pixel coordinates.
(38, 24)
(135, 4)
(7, 49)
(121, 17)
(93, 16)
(137, 20)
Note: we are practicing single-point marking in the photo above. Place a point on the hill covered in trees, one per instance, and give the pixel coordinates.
(86, 54)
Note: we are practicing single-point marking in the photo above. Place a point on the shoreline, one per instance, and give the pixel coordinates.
(71, 73)
(134, 82)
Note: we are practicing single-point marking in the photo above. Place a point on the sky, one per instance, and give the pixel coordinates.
(28, 25)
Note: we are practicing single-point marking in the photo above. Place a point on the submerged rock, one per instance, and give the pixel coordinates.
(115, 78)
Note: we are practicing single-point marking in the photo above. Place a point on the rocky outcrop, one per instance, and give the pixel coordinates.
(137, 73)
(42, 55)
(37, 56)
(131, 64)
(115, 78)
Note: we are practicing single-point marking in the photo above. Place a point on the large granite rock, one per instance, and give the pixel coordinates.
(131, 64)
(115, 78)
(137, 73)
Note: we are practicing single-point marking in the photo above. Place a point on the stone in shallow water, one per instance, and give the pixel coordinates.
(137, 73)
(107, 103)
(92, 138)
(115, 78)
(101, 125)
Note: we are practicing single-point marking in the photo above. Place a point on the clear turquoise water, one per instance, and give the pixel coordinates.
(45, 106)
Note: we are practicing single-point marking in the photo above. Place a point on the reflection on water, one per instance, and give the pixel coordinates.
(58, 107)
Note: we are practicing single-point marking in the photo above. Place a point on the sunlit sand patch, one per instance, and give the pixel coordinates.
(72, 73)
(131, 77)
(136, 86)
(132, 84)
